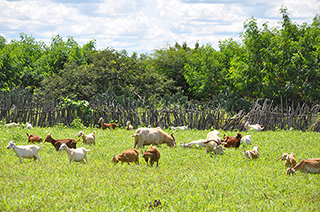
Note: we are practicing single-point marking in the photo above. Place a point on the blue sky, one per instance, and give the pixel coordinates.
(144, 25)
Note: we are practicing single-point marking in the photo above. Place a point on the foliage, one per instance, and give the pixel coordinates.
(77, 123)
(280, 62)
(83, 109)
(185, 180)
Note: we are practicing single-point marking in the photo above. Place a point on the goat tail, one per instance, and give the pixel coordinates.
(88, 150)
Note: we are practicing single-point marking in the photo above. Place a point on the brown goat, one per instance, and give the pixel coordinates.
(230, 141)
(154, 155)
(34, 138)
(70, 142)
(105, 125)
(128, 156)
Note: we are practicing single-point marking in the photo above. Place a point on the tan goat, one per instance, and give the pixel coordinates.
(128, 156)
(311, 166)
(253, 154)
(290, 159)
(88, 139)
(148, 136)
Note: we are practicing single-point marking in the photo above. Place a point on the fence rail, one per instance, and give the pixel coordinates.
(272, 117)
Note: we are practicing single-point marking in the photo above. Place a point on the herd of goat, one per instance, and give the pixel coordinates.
(156, 136)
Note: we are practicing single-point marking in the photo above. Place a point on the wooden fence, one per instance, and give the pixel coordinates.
(45, 114)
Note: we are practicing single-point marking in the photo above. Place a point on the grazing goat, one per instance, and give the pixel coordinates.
(255, 127)
(154, 155)
(88, 139)
(197, 142)
(70, 142)
(246, 140)
(29, 151)
(128, 156)
(105, 125)
(28, 125)
(253, 154)
(180, 128)
(34, 138)
(213, 143)
(77, 155)
(147, 136)
(230, 141)
(129, 126)
(290, 159)
(311, 166)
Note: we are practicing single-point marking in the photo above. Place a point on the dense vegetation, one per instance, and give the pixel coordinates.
(186, 179)
(277, 62)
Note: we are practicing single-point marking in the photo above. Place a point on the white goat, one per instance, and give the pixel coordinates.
(77, 155)
(29, 151)
(255, 127)
(88, 139)
(254, 153)
(246, 140)
(129, 126)
(197, 142)
(180, 128)
(28, 125)
(13, 124)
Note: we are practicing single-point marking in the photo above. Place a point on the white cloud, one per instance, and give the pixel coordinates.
(143, 25)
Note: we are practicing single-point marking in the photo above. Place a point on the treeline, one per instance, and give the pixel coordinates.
(269, 62)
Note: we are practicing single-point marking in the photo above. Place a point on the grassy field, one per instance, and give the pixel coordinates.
(186, 179)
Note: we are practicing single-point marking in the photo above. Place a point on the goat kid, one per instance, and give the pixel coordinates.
(180, 128)
(129, 126)
(311, 166)
(28, 125)
(88, 139)
(253, 154)
(199, 143)
(128, 156)
(255, 127)
(154, 155)
(78, 155)
(29, 151)
(290, 159)
(230, 141)
(12, 124)
(246, 140)
(105, 125)
(34, 138)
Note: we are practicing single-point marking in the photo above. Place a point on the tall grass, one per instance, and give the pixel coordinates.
(186, 179)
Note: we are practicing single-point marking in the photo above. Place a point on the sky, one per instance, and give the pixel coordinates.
(142, 26)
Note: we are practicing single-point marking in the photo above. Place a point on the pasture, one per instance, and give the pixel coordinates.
(186, 179)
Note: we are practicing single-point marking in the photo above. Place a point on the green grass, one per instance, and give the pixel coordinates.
(186, 179)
